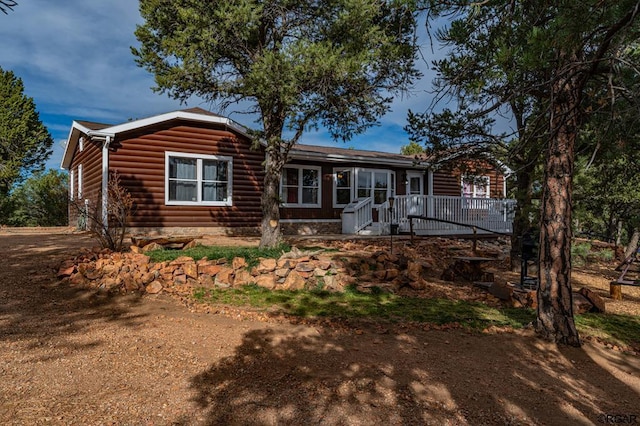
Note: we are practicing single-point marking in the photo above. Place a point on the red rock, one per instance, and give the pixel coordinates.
(391, 274)
(581, 304)
(224, 278)
(209, 269)
(294, 281)
(66, 271)
(154, 287)
(282, 272)
(242, 277)
(190, 269)
(266, 265)
(238, 263)
(267, 281)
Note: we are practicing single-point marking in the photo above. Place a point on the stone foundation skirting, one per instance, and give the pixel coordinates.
(311, 227)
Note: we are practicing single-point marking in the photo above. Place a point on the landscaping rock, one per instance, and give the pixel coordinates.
(238, 263)
(152, 247)
(581, 304)
(154, 287)
(594, 298)
(224, 278)
(266, 281)
(243, 277)
(266, 265)
(294, 281)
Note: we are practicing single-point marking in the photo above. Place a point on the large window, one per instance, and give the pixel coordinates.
(362, 183)
(198, 179)
(300, 186)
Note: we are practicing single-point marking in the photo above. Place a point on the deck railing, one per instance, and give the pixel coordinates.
(490, 213)
(357, 215)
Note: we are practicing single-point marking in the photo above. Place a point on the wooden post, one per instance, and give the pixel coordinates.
(475, 239)
(615, 290)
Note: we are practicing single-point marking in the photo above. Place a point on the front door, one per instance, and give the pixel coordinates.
(415, 192)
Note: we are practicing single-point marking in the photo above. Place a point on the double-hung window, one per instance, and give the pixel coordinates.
(300, 186)
(198, 179)
(342, 187)
(475, 186)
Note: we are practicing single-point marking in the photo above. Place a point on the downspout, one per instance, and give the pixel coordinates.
(105, 182)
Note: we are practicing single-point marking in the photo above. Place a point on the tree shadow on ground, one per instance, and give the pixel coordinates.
(409, 376)
(37, 309)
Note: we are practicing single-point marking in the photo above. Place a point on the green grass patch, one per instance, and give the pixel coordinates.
(352, 304)
(251, 254)
(617, 329)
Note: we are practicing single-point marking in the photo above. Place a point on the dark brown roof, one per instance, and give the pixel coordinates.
(93, 125)
(198, 110)
(330, 150)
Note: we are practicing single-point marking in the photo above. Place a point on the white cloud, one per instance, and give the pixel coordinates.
(74, 58)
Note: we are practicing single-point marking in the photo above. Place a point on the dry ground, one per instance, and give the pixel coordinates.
(77, 356)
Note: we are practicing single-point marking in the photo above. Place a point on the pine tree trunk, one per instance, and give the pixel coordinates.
(555, 299)
(270, 201)
(633, 243)
(521, 218)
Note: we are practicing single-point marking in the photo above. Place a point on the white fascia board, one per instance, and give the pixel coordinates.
(336, 158)
(72, 143)
(150, 121)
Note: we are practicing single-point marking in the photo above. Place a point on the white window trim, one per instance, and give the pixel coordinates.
(475, 186)
(79, 181)
(81, 144)
(334, 175)
(72, 185)
(300, 167)
(391, 190)
(199, 157)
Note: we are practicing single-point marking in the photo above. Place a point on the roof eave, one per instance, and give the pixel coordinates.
(337, 158)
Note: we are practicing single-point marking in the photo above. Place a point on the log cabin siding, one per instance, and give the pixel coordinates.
(327, 211)
(91, 160)
(140, 161)
(449, 182)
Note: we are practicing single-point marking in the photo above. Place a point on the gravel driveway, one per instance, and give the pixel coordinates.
(72, 356)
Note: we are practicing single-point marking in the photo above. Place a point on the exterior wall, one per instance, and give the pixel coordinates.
(327, 211)
(139, 159)
(91, 160)
(448, 182)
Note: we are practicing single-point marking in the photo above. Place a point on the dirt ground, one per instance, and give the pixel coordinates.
(71, 356)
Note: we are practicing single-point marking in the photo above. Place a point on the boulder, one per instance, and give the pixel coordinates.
(266, 265)
(242, 277)
(581, 304)
(294, 281)
(152, 247)
(224, 278)
(154, 287)
(238, 263)
(267, 281)
(209, 269)
(190, 269)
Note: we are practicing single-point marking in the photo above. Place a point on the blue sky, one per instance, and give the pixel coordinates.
(75, 61)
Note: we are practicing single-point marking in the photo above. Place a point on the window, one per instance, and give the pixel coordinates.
(198, 179)
(363, 183)
(79, 181)
(475, 186)
(71, 184)
(342, 187)
(81, 144)
(300, 186)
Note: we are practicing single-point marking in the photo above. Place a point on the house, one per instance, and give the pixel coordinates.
(192, 171)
